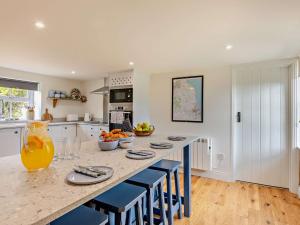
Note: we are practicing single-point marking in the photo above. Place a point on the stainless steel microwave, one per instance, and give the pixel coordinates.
(121, 95)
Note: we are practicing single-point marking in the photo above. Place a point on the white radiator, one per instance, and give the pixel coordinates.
(201, 154)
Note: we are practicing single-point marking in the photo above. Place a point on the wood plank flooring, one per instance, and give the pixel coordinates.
(239, 203)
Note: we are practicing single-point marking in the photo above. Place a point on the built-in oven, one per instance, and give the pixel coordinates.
(120, 95)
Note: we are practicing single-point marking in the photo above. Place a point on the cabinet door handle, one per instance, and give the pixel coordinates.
(66, 128)
(16, 132)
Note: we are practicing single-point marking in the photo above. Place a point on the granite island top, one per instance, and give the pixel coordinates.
(42, 196)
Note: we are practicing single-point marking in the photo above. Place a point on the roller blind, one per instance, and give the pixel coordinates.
(20, 84)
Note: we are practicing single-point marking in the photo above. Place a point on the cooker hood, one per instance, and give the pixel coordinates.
(103, 90)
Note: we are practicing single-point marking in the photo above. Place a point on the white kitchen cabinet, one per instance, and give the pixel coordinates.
(87, 132)
(10, 140)
(62, 131)
(68, 131)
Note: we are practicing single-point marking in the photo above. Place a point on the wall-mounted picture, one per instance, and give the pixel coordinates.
(187, 99)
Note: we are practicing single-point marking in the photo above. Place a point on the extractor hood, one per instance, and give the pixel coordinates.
(103, 90)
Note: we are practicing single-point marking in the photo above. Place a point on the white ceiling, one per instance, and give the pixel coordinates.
(93, 36)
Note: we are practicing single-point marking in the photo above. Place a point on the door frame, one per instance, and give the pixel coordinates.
(293, 117)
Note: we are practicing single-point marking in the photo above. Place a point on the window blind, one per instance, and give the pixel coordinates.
(20, 84)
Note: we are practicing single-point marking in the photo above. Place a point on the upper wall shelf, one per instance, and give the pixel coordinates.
(55, 100)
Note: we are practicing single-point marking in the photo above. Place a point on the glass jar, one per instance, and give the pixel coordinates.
(38, 150)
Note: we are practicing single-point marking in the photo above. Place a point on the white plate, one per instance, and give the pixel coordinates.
(78, 178)
(161, 147)
(141, 157)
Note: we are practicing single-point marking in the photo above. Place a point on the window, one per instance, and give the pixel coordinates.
(13, 102)
(16, 96)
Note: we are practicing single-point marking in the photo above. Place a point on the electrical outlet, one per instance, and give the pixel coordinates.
(220, 156)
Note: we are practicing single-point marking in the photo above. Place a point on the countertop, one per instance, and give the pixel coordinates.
(4, 125)
(41, 197)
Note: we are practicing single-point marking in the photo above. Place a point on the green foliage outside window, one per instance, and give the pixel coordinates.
(13, 102)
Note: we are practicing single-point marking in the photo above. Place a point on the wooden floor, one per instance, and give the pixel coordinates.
(220, 203)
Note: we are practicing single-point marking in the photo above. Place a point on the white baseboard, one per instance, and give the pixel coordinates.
(214, 174)
(299, 192)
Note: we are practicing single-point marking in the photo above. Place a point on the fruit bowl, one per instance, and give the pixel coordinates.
(108, 145)
(144, 133)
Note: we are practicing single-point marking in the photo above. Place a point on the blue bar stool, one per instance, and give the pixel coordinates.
(152, 179)
(81, 215)
(120, 201)
(174, 203)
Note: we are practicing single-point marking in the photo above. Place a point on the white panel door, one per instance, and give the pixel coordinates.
(261, 136)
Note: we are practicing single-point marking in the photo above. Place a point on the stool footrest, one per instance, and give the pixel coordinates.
(174, 198)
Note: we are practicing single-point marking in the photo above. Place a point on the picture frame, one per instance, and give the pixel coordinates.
(187, 99)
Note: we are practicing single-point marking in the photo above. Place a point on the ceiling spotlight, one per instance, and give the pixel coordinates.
(39, 25)
(228, 47)
(73, 72)
(131, 63)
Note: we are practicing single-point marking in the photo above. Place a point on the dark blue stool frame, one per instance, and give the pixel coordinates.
(143, 179)
(173, 201)
(119, 215)
(81, 215)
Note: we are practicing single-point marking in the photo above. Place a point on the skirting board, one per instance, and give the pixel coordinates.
(299, 192)
(217, 175)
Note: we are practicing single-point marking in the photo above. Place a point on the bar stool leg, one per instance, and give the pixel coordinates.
(129, 217)
(138, 213)
(161, 202)
(118, 219)
(149, 200)
(178, 197)
(169, 198)
(111, 218)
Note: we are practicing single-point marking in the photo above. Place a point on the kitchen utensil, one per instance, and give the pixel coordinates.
(108, 146)
(47, 116)
(81, 179)
(162, 145)
(138, 155)
(89, 171)
(87, 117)
(176, 138)
(125, 144)
(75, 144)
(37, 151)
(60, 148)
(142, 152)
(143, 133)
(72, 117)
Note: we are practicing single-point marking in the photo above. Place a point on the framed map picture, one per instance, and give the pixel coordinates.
(187, 99)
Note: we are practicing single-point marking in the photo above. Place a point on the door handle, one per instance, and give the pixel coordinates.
(238, 117)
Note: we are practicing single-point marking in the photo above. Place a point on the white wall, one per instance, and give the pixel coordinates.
(141, 97)
(94, 104)
(47, 83)
(217, 112)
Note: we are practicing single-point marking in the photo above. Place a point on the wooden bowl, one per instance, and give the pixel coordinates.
(143, 133)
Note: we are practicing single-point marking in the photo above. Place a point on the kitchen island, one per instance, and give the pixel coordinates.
(41, 197)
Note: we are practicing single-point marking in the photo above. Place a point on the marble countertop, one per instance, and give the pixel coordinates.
(42, 196)
(4, 125)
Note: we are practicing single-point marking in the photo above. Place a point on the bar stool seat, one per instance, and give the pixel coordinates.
(168, 166)
(82, 215)
(174, 202)
(120, 200)
(152, 179)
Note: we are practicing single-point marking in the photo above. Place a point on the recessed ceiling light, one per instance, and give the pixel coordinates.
(39, 25)
(131, 63)
(73, 72)
(228, 47)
